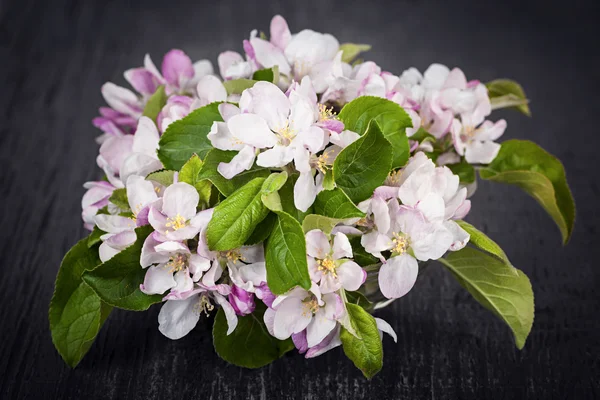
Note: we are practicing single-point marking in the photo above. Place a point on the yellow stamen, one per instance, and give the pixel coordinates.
(323, 162)
(234, 256)
(393, 178)
(177, 262)
(310, 307)
(203, 306)
(326, 113)
(286, 133)
(176, 222)
(400, 244)
(327, 266)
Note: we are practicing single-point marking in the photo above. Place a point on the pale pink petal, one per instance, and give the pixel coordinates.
(180, 199)
(211, 89)
(198, 265)
(269, 319)
(317, 244)
(319, 328)
(228, 110)
(242, 161)
(146, 137)
(481, 152)
(330, 342)
(490, 131)
(114, 223)
(305, 191)
(158, 280)
(268, 101)
(178, 317)
(149, 255)
(292, 316)
(141, 80)
(139, 164)
(253, 130)
(280, 33)
(381, 214)
(221, 137)
(341, 247)
(375, 242)
(278, 156)
(398, 275)
(177, 68)
(106, 252)
(268, 55)
(460, 236)
(230, 316)
(121, 99)
(122, 240)
(351, 275)
(383, 326)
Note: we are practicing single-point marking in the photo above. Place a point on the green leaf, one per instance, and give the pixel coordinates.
(119, 199)
(328, 182)
(190, 173)
(285, 256)
(250, 345)
(237, 86)
(390, 117)
(94, 237)
(363, 165)
(365, 352)
(164, 177)
(187, 137)
(76, 313)
(464, 170)
(269, 193)
(267, 74)
(155, 103)
(508, 93)
(351, 50)
(227, 186)
(497, 286)
(335, 204)
(262, 230)
(482, 241)
(314, 221)
(286, 195)
(236, 217)
(118, 280)
(359, 254)
(359, 299)
(540, 174)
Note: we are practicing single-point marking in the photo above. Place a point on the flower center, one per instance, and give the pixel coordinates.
(400, 243)
(177, 262)
(393, 178)
(467, 134)
(311, 306)
(325, 113)
(327, 265)
(203, 306)
(233, 256)
(286, 134)
(324, 161)
(176, 222)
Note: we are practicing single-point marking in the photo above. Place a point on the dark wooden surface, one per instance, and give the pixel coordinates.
(54, 55)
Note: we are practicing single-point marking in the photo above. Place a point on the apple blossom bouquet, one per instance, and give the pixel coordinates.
(293, 196)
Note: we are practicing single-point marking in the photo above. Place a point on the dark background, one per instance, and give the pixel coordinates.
(55, 55)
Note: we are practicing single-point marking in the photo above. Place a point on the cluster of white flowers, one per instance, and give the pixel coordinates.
(286, 125)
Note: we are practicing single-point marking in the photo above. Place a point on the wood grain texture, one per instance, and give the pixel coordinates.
(54, 56)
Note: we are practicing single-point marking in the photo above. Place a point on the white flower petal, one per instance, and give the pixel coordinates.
(398, 275)
(178, 317)
(180, 199)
